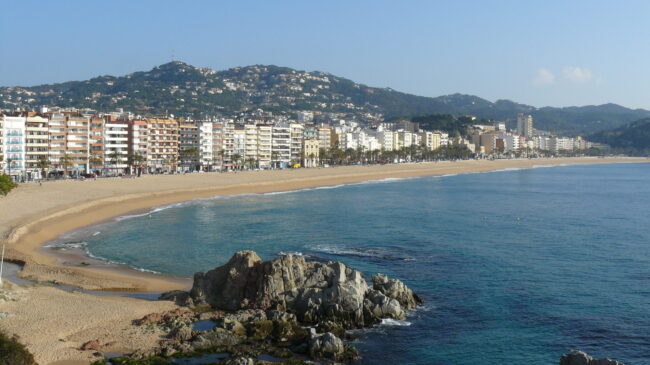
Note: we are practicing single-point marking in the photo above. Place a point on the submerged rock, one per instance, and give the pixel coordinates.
(576, 357)
(313, 291)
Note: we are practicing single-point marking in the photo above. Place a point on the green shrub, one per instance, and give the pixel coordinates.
(6, 184)
(13, 352)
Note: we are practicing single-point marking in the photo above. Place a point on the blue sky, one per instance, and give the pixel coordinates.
(556, 53)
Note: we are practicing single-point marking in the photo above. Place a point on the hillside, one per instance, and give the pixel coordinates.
(634, 136)
(182, 89)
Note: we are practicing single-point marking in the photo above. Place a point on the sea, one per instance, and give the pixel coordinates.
(515, 266)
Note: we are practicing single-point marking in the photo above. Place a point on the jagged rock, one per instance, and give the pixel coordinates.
(218, 337)
(576, 357)
(397, 290)
(181, 333)
(381, 306)
(326, 346)
(314, 291)
(179, 297)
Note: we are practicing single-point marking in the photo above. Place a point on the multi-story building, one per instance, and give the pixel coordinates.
(13, 133)
(431, 140)
(69, 142)
(138, 142)
(96, 144)
(297, 135)
(36, 146)
(386, 139)
(264, 146)
(281, 145)
(239, 146)
(206, 137)
(325, 137)
(163, 145)
(311, 149)
(525, 125)
(189, 143)
(250, 144)
(404, 139)
(223, 143)
(558, 144)
(116, 147)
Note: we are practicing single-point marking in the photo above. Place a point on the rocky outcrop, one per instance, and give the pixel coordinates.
(287, 308)
(313, 291)
(576, 357)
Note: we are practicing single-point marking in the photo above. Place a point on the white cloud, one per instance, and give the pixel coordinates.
(578, 75)
(543, 77)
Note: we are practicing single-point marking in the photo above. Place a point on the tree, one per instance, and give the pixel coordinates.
(96, 160)
(114, 159)
(6, 184)
(189, 154)
(274, 158)
(235, 159)
(43, 164)
(65, 161)
(13, 352)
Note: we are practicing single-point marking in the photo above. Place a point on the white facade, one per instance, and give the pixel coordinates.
(116, 146)
(281, 145)
(525, 125)
(206, 145)
(13, 146)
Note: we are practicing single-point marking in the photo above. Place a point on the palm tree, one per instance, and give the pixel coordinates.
(274, 158)
(95, 160)
(189, 154)
(65, 161)
(235, 160)
(114, 159)
(43, 163)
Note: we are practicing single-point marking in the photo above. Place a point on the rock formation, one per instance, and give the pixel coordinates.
(313, 291)
(576, 357)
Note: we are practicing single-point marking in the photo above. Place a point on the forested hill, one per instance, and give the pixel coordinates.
(633, 138)
(182, 89)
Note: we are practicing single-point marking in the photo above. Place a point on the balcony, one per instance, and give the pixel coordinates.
(14, 134)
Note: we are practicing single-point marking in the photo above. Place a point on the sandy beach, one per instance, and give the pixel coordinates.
(54, 323)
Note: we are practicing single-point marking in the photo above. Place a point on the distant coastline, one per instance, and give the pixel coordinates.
(97, 201)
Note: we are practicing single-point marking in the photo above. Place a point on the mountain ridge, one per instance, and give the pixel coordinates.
(179, 88)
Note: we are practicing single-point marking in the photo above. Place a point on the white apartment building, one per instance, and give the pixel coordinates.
(238, 146)
(404, 139)
(325, 138)
(431, 140)
(116, 146)
(525, 125)
(36, 146)
(206, 155)
(386, 139)
(297, 134)
(13, 149)
(561, 144)
(264, 145)
(281, 145)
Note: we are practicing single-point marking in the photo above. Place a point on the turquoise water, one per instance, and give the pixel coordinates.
(516, 267)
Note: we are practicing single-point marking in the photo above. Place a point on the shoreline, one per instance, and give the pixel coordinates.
(54, 323)
(25, 242)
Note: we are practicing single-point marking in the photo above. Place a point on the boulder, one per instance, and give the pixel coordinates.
(217, 338)
(181, 333)
(326, 346)
(397, 290)
(313, 291)
(576, 357)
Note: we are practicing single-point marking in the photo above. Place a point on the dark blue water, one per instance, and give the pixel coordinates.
(516, 267)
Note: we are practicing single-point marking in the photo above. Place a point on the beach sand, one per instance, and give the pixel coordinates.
(32, 215)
